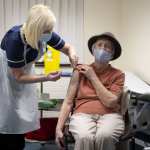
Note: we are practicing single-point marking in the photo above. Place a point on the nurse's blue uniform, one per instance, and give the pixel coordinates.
(18, 101)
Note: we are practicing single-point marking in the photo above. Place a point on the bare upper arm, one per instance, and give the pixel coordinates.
(73, 86)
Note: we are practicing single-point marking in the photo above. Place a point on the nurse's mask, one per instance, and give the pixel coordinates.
(45, 37)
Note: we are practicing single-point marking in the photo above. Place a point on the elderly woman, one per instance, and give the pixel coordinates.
(96, 123)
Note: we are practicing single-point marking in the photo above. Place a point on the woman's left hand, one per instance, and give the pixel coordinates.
(86, 70)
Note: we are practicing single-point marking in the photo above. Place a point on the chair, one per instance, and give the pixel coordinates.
(141, 132)
(69, 139)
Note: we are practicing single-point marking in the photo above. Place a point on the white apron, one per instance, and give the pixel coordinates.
(18, 101)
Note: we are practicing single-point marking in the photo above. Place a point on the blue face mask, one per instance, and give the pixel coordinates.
(102, 56)
(43, 41)
(45, 37)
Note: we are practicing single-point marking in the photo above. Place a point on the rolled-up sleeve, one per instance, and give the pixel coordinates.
(56, 41)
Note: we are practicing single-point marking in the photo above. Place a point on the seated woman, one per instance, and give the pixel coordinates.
(96, 123)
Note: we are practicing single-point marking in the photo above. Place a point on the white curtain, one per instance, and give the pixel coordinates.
(69, 15)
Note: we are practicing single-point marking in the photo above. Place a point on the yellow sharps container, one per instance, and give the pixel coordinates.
(51, 60)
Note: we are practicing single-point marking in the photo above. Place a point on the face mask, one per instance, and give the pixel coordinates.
(43, 40)
(45, 37)
(102, 56)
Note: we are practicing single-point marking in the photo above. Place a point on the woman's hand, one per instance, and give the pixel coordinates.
(59, 139)
(86, 70)
(73, 58)
(54, 76)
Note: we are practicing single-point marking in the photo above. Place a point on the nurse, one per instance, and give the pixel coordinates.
(20, 47)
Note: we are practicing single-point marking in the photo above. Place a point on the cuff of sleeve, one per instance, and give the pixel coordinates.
(16, 65)
(61, 45)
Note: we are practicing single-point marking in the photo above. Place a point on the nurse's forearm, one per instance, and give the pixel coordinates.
(106, 97)
(26, 78)
(22, 77)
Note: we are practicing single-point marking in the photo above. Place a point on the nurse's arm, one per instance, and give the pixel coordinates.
(71, 53)
(68, 102)
(22, 77)
(67, 49)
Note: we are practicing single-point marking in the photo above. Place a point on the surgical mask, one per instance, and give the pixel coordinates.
(45, 37)
(102, 56)
(43, 41)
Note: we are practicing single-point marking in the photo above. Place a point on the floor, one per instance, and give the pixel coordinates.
(49, 146)
(38, 146)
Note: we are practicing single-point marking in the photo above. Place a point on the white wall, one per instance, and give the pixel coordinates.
(100, 16)
(129, 20)
(135, 32)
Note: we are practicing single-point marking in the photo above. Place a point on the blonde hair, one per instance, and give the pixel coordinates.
(40, 20)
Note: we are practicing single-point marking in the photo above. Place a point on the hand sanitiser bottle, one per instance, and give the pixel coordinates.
(51, 60)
